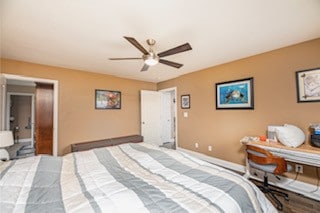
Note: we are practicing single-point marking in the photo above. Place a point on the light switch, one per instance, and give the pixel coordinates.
(185, 114)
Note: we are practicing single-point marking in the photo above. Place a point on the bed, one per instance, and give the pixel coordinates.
(132, 177)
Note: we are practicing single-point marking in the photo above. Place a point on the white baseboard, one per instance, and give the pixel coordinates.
(217, 161)
(306, 189)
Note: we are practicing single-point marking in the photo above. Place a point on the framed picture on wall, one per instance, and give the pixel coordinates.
(308, 85)
(107, 99)
(235, 94)
(185, 101)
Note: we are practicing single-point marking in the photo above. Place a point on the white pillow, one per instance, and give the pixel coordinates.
(290, 135)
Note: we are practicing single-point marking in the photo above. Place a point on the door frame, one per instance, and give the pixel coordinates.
(9, 94)
(173, 89)
(55, 103)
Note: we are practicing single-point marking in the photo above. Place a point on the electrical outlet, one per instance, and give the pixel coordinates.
(196, 145)
(299, 168)
(210, 148)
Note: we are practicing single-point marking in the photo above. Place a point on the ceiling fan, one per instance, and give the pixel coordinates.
(150, 58)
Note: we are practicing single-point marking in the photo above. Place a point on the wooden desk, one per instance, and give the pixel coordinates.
(304, 154)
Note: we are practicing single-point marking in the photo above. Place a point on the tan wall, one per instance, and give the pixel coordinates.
(78, 120)
(275, 102)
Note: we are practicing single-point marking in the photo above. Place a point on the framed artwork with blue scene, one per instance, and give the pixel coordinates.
(235, 94)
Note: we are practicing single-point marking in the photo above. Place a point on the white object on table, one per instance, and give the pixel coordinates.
(6, 139)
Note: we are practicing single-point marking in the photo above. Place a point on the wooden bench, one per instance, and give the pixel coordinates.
(83, 146)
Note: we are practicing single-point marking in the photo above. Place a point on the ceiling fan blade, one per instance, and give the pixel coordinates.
(170, 63)
(175, 50)
(135, 43)
(145, 67)
(124, 58)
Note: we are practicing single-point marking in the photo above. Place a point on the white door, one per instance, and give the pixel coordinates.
(151, 116)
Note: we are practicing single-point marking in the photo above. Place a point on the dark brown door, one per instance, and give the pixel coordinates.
(44, 119)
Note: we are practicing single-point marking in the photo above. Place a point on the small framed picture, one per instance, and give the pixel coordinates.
(107, 99)
(235, 94)
(185, 101)
(308, 85)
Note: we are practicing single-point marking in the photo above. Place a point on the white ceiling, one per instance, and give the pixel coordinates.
(83, 34)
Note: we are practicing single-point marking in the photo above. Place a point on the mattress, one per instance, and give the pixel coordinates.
(126, 178)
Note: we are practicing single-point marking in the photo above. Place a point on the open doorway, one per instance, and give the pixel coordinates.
(9, 78)
(20, 119)
(168, 118)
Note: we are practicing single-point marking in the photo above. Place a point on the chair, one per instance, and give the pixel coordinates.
(265, 161)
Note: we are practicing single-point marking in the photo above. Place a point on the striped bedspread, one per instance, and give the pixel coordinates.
(125, 178)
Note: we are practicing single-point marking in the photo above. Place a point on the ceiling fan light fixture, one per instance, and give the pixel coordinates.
(151, 59)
